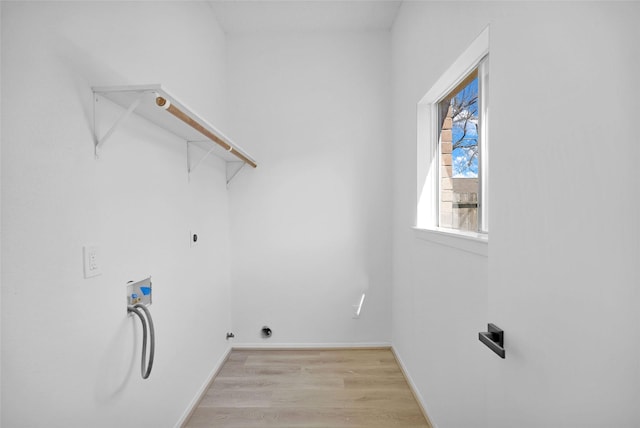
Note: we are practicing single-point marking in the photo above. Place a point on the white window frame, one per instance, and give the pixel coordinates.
(428, 156)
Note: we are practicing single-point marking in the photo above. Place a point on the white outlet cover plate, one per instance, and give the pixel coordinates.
(91, 255)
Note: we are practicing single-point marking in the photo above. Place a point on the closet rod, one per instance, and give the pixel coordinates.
(164, 103)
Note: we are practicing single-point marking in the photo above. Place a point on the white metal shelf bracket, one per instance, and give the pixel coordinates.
(190, 168)
(194, 160)
(124, 116)
(233, 168)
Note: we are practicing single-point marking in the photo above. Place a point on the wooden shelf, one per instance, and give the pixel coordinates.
(155, 104)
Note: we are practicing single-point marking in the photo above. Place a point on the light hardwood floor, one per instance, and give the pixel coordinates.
(309, 388)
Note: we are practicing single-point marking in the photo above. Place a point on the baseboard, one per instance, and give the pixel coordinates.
(293, 346)
(413, 388)
(203, 390)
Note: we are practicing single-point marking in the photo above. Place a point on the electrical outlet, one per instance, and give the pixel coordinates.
(193, 238)
(91, 261)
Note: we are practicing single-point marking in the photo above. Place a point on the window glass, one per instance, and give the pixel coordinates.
(459, 152)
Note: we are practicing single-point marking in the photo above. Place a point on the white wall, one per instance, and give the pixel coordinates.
(565, 289)
(440, 293)
(70, 354)
(310, 226)
(562, 273)
(0, 218)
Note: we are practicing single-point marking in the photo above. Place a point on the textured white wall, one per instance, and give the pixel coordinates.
(562, 273)
(70, 354)
(310, 226)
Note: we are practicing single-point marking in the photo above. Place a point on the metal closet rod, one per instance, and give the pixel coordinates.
(165, 104)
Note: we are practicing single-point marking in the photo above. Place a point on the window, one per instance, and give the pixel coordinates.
(453, 148)
(458, 134)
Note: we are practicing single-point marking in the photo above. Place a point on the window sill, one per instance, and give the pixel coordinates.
(476, 243)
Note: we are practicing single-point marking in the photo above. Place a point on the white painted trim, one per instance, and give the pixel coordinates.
(476, 243)
(461, 68)
(484, 102)
(414, 388)
(341, 345)
(203, 390)
(427, 156)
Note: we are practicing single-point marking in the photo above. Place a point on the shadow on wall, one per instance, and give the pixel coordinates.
(111, 380)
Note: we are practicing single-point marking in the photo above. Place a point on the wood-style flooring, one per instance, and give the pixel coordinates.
(309, 388)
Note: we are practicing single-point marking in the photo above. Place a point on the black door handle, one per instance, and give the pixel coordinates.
(494, 339)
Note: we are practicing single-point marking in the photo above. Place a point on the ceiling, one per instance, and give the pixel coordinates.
(240, 16)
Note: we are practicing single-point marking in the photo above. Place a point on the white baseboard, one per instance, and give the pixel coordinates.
(203, 390)
(414, 388)
(262, 345)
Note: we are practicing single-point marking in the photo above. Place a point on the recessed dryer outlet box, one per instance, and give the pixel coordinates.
(139, 292)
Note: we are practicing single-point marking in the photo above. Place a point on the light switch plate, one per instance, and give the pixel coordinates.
(91, 255)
